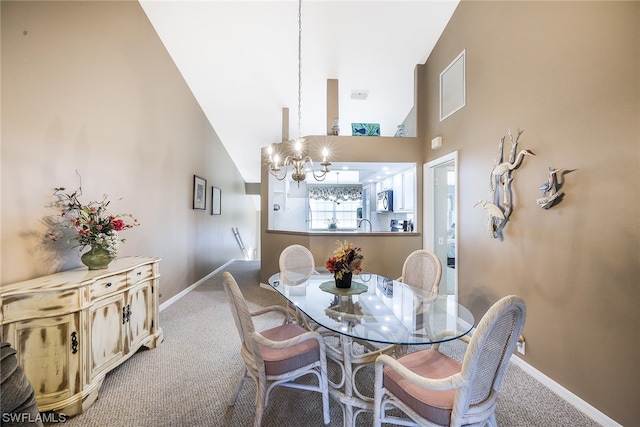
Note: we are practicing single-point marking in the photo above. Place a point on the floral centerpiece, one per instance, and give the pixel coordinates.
(332, 224)
(346, 260)
(92, 225)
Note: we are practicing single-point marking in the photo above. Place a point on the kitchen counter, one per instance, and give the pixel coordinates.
(383, 250)
(347, 233)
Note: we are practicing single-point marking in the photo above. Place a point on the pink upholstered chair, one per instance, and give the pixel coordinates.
(435, 390)
(277, 356)
(422, 269)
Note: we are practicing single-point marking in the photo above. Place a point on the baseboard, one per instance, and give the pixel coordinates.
(184, 292)
(565, 394)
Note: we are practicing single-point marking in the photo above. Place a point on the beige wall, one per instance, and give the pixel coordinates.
(88, 86)
(568, 74)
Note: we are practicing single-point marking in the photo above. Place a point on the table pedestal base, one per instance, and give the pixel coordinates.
(346, 392)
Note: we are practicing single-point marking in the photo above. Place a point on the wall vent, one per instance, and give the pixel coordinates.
(359, 94)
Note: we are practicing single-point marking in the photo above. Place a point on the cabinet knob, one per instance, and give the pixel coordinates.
(107, 284)
(139, 273)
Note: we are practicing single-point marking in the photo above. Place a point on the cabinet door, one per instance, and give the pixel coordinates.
(397, 193)
(106, 325)
(139, 308)
(48, 350)
(408, 190)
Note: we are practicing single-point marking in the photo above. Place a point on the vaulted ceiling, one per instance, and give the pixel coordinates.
(240, 60)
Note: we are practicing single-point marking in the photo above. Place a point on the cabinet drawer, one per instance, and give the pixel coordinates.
(43, 304)
(107, 286)
(141, 273)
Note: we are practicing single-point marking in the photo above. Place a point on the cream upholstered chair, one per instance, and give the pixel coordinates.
(296, 265)
(277, 356)
(422, 269)
(435, 390)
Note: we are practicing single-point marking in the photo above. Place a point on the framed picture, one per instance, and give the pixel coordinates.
(199, 193)
(216, 206)
(365, 129)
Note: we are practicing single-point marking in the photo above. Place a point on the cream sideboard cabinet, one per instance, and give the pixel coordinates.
(71, 328)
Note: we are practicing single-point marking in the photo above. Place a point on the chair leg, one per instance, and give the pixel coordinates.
(377, 412)
(379, 391)
(236, 392)
(261, 397)
(325, 393)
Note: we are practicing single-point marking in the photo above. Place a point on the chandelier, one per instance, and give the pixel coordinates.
(297, 162)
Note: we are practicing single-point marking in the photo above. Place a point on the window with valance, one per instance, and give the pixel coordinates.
(332, 193)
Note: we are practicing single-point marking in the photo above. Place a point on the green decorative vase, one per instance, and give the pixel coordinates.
(345, 281)
(97, 258)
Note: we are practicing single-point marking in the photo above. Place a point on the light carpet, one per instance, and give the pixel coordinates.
(187, 380)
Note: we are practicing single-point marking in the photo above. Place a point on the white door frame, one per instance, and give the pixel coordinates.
(428, 202)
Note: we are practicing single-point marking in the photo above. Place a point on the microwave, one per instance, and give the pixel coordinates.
(384, 201)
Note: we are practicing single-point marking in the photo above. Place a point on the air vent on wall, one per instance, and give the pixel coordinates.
(359, 94)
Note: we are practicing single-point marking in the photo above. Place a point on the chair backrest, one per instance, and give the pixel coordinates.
(422, 269)
(488, 353)
(296, 265)
(242, 319)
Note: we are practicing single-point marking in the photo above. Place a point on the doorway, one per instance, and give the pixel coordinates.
(441, 216)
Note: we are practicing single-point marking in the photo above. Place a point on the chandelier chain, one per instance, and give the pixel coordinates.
(299, 65)
(297, 162)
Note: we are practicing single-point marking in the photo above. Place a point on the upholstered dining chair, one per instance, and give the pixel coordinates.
(422, 269)
(296, 265)
(434, 390)
(276, 356)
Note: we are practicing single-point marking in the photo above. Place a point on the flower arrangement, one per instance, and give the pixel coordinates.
(332, 224)
(347, 258)
(92, 224)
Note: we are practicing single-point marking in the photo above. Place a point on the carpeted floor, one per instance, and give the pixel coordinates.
(187, 380)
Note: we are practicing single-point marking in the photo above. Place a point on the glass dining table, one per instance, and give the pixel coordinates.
(377, 315)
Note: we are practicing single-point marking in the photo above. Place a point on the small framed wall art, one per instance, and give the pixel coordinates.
(199, 193)
(365, 129)
(216, 201)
